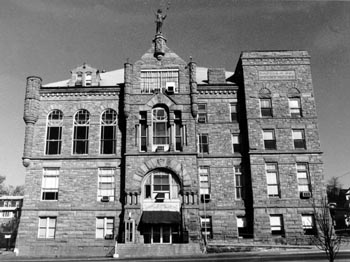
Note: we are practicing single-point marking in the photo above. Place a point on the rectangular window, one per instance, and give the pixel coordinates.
(266, 107)
(88, 79)
(276, 223)
(242, 226)
(202, 113)
(303, 178)
(47, 227)
(106, 184)
(156, 80)
(81, 140)
(239, 182)
(6, 214)
(203, 145)
(294, 107)
(108, 139)
(206, 227)
(105, 227)
(308, 222)
(49, 186)
(143, 131)
(234, 111)
(299, 138)
(272, 180)
(236, 145)
(178, 131)
(53, 140)
(269, 139)
(161, 183)
(204, 185)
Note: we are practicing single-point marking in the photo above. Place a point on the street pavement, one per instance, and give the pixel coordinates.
(261, 256)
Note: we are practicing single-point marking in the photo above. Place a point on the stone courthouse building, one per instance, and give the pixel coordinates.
(164, 156)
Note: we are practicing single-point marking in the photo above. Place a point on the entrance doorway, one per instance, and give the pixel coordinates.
(161, 234)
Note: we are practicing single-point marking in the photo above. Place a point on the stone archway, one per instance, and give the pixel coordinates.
(161, 162)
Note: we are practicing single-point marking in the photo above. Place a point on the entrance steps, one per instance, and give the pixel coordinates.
(158, 250)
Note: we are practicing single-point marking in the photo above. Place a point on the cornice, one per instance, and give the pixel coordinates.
(79, 94)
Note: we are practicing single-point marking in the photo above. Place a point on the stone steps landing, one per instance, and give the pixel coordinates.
(158, 250)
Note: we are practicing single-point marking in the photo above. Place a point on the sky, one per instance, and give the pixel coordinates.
(49, 38)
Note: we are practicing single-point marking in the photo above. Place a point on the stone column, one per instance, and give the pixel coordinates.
(193, 86)
(31, 115)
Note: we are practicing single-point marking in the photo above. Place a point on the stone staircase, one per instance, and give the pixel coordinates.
(158, 250)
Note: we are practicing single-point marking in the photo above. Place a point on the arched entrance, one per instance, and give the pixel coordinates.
(160, 221)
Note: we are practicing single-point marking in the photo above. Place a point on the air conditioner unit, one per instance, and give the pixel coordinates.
(205, 198)
(105, 199)
(109, 236)
(305, 195)
(160, 149)
(160, 197)
(170, 87)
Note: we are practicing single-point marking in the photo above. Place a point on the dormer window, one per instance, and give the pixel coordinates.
(84, 75)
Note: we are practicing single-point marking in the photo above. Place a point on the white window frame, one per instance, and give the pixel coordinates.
(239, 183)
(106, 230)
(241, 223)
(262, 107)
(171, 193)
(202, 116)
(105, 123)
(206, 226)
(204, 180)
(272, 180)
(269, 135)
(106, 176)
(79, 123)
(50, 173)
(155, 80)
(201, 145)
(236, 141)
(54, 123)
(276, 224)
(47, 227)
(303, 177)
(295, 107)
(234, 110)
(157, 121)
(299, 135)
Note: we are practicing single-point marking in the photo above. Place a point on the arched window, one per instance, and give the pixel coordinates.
(81, 132)
(108, 132)
(54, 133)
(160, 185)
(160, 128)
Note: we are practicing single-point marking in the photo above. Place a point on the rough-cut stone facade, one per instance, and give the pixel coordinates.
(276, 75)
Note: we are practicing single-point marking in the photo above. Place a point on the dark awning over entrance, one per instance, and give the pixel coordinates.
(160, 217)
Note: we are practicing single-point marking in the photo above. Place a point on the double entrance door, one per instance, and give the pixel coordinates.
(161, 234)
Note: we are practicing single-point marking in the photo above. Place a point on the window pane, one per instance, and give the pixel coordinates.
(42, 232)
(275, 221)
(272, 190)
(294, 103)
(271, 178)
(297, 134)
(268, 135)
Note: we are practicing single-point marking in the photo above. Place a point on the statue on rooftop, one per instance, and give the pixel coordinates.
(160, 19)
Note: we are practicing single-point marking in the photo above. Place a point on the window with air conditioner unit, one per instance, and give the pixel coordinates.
(170, 87)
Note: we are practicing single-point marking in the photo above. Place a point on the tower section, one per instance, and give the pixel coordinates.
(284, 145)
